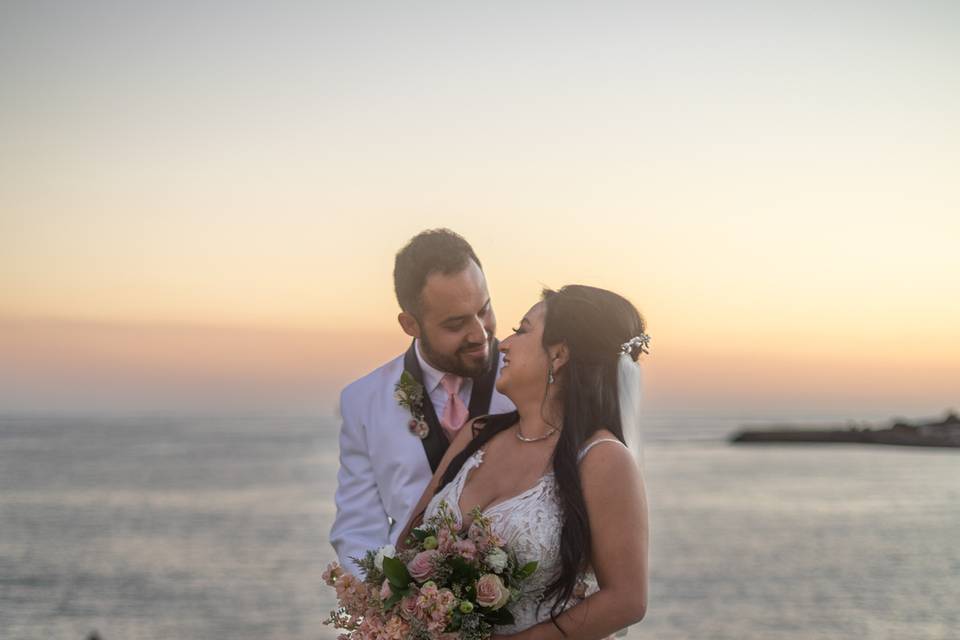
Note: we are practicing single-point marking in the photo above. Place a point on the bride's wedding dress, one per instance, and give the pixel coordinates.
(530, 523)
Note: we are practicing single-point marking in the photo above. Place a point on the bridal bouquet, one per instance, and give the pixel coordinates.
(445, 586)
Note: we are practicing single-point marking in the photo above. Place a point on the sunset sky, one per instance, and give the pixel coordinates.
(200, 202)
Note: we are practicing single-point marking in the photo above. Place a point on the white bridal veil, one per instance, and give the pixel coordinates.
(628, 389)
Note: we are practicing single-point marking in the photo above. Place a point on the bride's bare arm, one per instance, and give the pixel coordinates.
(614, 493)
(464, 436)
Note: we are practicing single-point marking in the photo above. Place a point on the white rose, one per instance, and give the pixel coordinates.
(497, 560)
(386, 551)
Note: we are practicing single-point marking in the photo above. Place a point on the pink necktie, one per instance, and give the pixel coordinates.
(455, 413)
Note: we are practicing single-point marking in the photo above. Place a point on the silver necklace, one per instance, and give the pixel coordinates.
(523, 438)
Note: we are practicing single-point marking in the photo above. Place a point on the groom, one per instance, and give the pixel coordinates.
(392, 441)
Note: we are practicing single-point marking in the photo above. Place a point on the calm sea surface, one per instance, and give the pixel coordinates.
(151, 527)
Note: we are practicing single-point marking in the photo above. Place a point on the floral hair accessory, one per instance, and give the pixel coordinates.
(642, 341)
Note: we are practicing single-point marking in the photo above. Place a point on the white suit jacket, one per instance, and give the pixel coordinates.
(383, 466)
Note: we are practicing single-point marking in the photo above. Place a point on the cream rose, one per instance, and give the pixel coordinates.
(386, 551)
(497, 560)
(491, 593)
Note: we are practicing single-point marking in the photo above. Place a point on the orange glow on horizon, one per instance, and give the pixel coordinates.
(270, 367)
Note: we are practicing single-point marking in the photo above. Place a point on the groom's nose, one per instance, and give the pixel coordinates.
(478, 333)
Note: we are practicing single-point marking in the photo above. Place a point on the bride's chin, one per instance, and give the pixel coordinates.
(503, 386)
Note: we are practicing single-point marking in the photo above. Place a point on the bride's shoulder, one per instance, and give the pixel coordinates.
(607, 468)
(601, 450)
(601, 434)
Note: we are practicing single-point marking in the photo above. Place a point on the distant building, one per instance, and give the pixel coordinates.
(948, 429)
(904, 429)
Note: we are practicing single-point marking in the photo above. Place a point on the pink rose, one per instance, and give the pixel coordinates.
(491, 593)
(421, 566)
(465, 548)
(408, 606)
(385, 591)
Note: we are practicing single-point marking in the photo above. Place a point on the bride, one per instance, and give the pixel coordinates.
(555, 477)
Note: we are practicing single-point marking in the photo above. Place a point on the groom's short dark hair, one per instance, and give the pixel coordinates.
(430, 251)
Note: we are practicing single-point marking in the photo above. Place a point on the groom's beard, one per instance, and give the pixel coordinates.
(459, 363)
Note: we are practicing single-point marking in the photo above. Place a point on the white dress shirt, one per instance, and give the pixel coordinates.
(431, 382)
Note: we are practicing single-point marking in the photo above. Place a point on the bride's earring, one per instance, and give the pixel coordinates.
(550, 378)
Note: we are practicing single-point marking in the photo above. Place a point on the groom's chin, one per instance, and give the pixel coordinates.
(476, 365)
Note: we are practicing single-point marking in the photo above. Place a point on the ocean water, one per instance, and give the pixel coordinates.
(151, 527)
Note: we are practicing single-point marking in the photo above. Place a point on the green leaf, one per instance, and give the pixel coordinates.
(526, 570)
(420, 534)
(394, 598)
(407, 380)
(456, 619)
(501, 616)
(462, 570)
(396, 573)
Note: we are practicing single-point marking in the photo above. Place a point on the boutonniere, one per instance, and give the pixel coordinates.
(409, 394)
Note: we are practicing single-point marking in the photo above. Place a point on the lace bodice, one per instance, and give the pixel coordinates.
(530, 523)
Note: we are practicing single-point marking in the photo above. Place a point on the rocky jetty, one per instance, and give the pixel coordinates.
(945, 433)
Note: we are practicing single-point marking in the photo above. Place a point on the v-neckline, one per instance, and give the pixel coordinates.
(477, 459)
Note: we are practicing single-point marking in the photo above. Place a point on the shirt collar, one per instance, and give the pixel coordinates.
(431, 375)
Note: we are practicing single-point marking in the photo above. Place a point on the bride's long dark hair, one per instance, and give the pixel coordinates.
(593, 323)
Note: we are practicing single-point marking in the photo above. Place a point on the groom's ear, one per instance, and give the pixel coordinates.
(409, 324)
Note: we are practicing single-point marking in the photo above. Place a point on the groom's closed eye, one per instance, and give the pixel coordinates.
(456, 323)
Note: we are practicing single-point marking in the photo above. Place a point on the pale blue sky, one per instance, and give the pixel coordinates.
(782, 174)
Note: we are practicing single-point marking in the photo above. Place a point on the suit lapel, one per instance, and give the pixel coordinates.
(436, 443)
